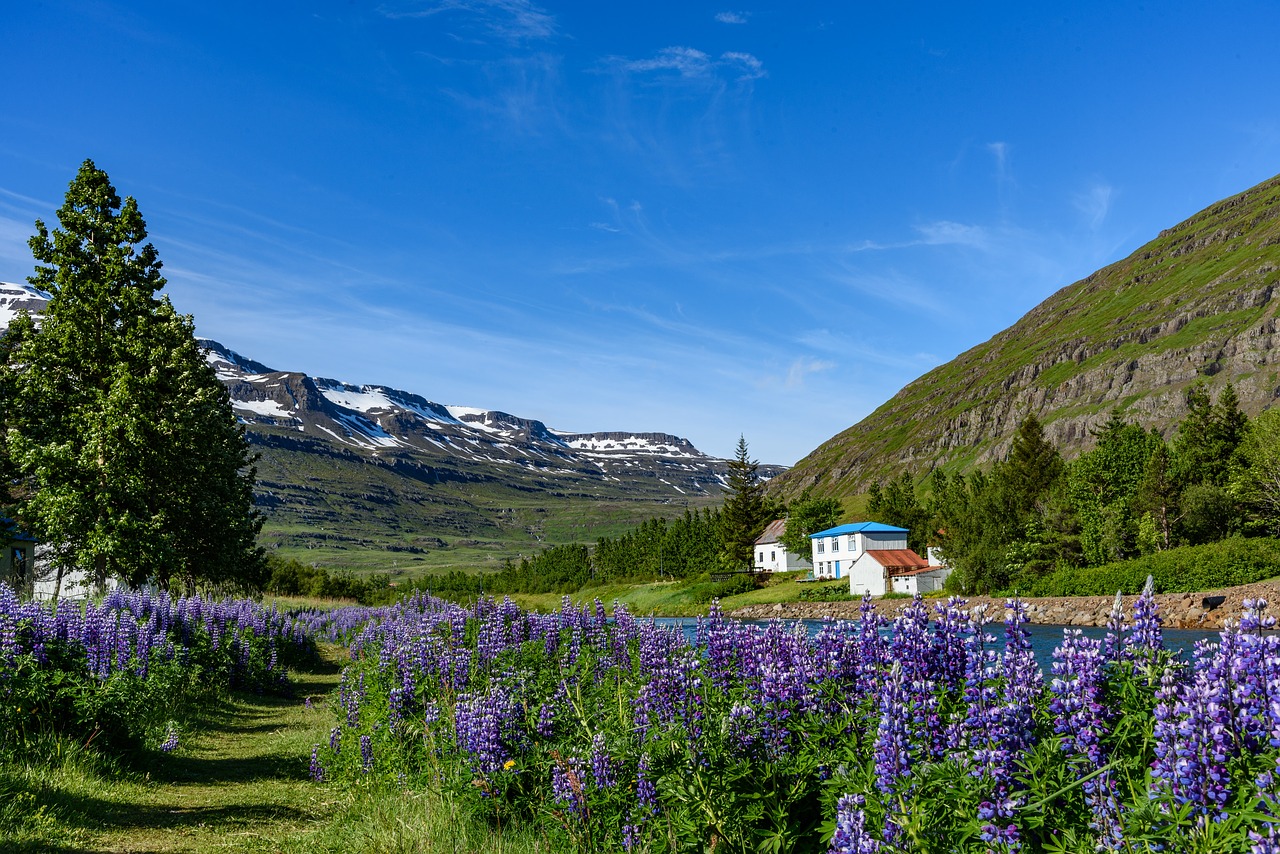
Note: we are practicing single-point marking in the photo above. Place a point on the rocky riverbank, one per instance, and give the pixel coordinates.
(1208, 609)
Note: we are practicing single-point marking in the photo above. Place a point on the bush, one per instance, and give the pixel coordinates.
(836, 592)
(1226, 563)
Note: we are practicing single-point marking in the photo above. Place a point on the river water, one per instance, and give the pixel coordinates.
(1044, 639)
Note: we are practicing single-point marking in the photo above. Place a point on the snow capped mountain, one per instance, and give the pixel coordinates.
(345, 466)
(376, 419)
(370, 466)
(15, 298)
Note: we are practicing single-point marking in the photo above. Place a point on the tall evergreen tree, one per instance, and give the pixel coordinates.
(1033, 467)
(746, 510)
(122, 435)
(1208, 437)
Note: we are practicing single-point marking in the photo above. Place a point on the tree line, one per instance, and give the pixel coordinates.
(1134, 494)
(688, 547)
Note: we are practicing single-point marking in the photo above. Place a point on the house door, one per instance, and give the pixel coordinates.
(837, 569)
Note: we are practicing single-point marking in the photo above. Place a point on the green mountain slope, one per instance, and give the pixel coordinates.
(1197, 303)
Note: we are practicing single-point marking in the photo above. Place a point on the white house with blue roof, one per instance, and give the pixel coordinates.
(875, 558)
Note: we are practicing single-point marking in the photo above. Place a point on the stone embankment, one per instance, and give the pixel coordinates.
(1209, 609)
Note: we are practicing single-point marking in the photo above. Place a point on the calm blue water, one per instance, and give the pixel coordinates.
(1044, 639)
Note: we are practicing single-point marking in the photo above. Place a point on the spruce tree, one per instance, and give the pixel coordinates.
(746, 510)
(132, 461)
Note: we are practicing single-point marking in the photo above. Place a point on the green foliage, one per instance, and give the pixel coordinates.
(290, 577)
(1208, 437)
(1103, 486)
(896, 504)
(830, 592)
(1255, 479)
(808, 515)
(1185, 569)
(746, 510)
(130, 460)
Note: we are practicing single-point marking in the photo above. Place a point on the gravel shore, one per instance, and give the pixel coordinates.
(1209, 609)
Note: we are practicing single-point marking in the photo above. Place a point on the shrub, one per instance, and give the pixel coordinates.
(1226, 563)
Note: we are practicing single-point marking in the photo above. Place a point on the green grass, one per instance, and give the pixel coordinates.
(668, 598)
(239, 782)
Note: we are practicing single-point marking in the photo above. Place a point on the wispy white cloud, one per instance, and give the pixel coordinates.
(519, 93)
(946, 233)
(801, 368)
(732, 17)
(685, 60)
(511, 20)
(1094, 204)
(752, 68)
(690, 62)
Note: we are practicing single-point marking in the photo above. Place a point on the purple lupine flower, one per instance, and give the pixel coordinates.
(893, 742)
(1145, 637)
(1083, 720)
(566, 785)
(1111, 643)
(851, 835)
(646, 792)
(366, 753)
(546, 720)
(487, 729)
(171, 740)
(317, 770)
(603, 768)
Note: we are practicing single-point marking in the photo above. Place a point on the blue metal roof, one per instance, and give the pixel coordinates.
(859, 528)
(10, 532)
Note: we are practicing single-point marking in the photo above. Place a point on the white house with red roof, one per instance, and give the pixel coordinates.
(875, 558)
(772, 556)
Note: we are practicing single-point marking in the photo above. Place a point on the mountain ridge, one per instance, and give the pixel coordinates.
(357, 475)
(1198, 303)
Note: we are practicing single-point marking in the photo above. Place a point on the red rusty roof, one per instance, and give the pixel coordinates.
(772, 532)
(898, 561)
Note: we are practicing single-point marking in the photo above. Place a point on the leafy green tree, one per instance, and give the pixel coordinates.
(1103, 485)
(746, 510)
(808, 515)
(1158, 493)
(120, 432)
(1255, 480)
(896, 503)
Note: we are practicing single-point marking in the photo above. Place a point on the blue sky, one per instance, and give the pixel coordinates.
(755, 218)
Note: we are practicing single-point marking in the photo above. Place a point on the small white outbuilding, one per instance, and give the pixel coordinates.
(771, 555)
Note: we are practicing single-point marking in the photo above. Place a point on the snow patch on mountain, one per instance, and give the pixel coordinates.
(15, 298)
(269, 408)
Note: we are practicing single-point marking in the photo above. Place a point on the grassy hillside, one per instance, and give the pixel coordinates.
(341, 511)
(1198, 303)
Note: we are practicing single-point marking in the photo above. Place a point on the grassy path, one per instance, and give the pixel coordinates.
(238, 782)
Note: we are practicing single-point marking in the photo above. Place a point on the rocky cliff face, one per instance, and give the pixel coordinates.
(1197, 304)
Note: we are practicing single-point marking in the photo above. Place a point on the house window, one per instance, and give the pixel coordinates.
(761, 558)
(835, 544)
(773, 556)
(19, 563)
(821, 544)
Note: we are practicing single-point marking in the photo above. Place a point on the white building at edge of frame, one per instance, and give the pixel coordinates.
(772, 555)
(876, 560)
